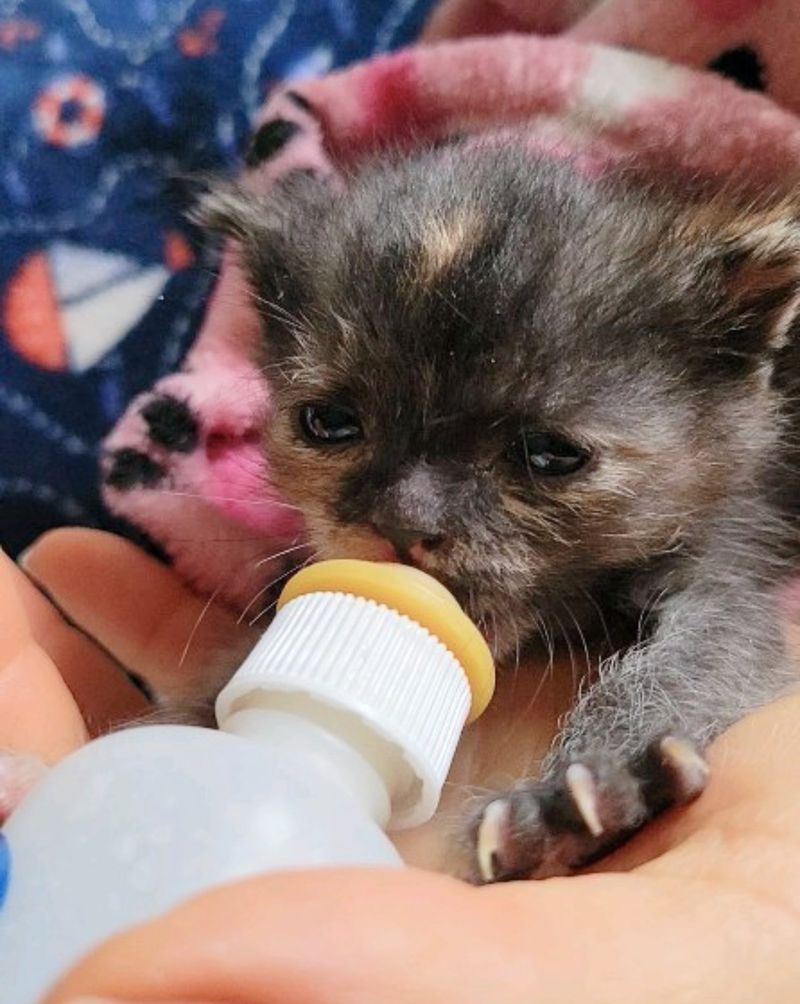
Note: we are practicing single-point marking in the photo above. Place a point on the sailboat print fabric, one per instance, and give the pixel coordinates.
(106, 110)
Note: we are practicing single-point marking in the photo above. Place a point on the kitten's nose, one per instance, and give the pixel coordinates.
(404, 538)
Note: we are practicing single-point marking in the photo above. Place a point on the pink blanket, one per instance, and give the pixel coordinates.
(184, 463)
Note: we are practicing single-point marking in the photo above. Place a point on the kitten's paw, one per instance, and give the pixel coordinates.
(18, 774)
(193, 438)
(166, 429)
(581, 811)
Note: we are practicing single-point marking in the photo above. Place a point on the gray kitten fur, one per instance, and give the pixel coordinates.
(451, 301)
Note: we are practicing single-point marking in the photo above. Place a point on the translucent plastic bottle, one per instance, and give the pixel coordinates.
(342, 722)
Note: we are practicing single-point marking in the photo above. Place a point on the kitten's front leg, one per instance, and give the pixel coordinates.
(633, 744)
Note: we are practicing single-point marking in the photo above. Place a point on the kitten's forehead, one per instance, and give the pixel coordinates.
(487, 283)
(461, 244)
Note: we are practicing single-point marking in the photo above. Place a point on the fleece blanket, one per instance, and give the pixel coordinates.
(633, 85)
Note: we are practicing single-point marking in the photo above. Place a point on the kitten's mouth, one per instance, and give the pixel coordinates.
(372, 547)
(460, 593)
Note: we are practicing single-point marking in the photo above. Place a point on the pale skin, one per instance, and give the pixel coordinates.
(704, 906)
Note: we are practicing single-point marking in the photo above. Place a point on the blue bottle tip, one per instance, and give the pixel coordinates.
(5, 867)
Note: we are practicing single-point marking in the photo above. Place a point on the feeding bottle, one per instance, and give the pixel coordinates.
(341, 723)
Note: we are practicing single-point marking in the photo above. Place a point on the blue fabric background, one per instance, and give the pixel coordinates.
(103, 105)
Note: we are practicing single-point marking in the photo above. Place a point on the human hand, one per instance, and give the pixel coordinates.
(61, 678)
(56, 686)
(702, 906)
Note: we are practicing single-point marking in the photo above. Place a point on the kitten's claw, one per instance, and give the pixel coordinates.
(581, 786)
(689, 769)
(581, 810)
(492, 832)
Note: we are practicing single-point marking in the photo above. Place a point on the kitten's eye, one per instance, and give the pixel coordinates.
(548, 454)
(329, 424)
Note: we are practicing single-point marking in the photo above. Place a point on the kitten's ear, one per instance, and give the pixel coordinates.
(273, 232)
(761, 272)
(230, 211)
(233, 211)
(271, 264)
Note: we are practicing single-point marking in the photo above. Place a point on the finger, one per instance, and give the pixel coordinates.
(104, 694)
(16, 628)
(698, 927)
(238, 969)
(37, 712)
(360, 937)
(754, 768)
(133, 605)
(755, 771)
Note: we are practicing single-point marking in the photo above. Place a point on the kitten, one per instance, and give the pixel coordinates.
(558, 397)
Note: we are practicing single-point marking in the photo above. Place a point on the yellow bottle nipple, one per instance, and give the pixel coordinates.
(416, 595)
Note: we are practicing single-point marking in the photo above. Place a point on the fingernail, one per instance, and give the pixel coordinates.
(24, 557)
(26, 560)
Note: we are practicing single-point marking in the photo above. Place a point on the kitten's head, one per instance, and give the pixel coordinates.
(514, 378)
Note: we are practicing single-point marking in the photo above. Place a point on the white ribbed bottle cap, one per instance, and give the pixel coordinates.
(362, 657)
